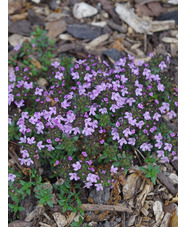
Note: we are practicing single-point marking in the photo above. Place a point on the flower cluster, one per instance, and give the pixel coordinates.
(94, 113)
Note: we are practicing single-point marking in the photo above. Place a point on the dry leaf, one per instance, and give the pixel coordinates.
(35, 62)
(122, 179)
(174, 219)
(118, 45)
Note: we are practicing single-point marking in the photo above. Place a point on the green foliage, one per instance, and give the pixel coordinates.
(69, 199)
(151, 172)
(44, 195)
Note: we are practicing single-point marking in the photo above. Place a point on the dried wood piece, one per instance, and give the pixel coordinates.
(97, 41)
(175, 164)
(169, 40)
(123, 219)
(158, 209)
(158, 222)
(140, 199)
(141, 25)
(20, 224)
(127, 15)
(129, 189)
(165, 221)
(117, 208)
(66, 47)
(119, 28)
(108, 7)
(158, 26)
(142, 2)
(167, 182)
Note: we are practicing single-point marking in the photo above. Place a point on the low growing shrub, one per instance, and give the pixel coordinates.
(85, 125)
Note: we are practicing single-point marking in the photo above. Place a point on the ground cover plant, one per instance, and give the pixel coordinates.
(86, 124)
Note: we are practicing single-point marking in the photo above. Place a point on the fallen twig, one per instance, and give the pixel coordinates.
(94, 207)
(167, 182)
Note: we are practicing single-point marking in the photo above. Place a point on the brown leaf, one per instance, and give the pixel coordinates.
(52, 101)
(21, 16)
(55, 28)
(122, 179)
(118, 45)
(174, 220)
(35, 62)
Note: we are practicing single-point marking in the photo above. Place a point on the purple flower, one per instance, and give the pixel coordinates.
(172, 134)
(28, 161)
(113, 169)
(160, 153)
(130, 101)
(24, 153)
(18, 46)
(131, 141)
(138, 91)
(159, 144)
(140, 124)
(69, 158)
(147, 115)
(74, 176)
(115, 136)
(132, 121)
(21, 103)
(28, 85)
(127, 132)
(11, 177)
(22, 139)
(162, 65)
(123, 79)
(38, 91)
(102, 141)
(57, 162)
(65, 104)
(84, 153)
(161, 87)
(76, 166)
(31, 140)
(76, 130)
(171, 114)
(59, 76)
(128, 115)
(158, 137)
(146, 147)
(140, 106)
(39, 145)
(156, 77)
(153, 129)
(92, 178)
(88, 184)
(89, 162)
(103, 110)
(168, 146)
(55, 64)
(156, 116)
(122, 141)
(99, 187)
(164, 159)
(92, 110)
(75, 75)
(87, 131)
